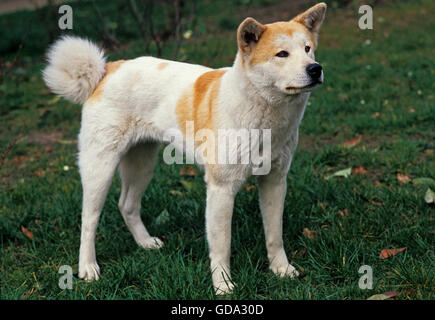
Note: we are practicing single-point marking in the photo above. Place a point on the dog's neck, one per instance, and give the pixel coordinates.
(269, 101)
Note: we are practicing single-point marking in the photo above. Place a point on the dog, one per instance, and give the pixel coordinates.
(129, 105)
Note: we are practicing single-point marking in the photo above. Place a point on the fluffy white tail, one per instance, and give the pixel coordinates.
(75, 67)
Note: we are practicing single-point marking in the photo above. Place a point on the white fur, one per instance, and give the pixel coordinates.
(75, 66)
(126, 124)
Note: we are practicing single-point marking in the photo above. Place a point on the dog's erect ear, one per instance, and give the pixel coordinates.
(248, 34)
(313, 17)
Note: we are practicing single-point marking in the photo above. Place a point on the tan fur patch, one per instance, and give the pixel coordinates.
(111, 67)
(266, 47)
(197, 103)
(162, 65)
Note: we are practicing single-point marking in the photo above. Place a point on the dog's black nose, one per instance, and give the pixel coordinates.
(314, 70)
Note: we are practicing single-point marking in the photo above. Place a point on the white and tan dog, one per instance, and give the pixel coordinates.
(129, 105)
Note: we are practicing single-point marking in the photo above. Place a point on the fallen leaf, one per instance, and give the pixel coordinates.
(176, 193)
(376, 203)
(39, 173)
(359, 170)
(250, 187)
(342, 173)
(403, 178)
(383, 296)
(429, 197)
(187, 34)
(343, 213)
(310, 234)
(302, 252)
(188, 171)
(386, 253)
(428, 152)
(188, 185)
(27, 233)
(53, 100)
(351, 143)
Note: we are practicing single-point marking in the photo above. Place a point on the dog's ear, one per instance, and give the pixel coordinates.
(248, 34)
(312, 18)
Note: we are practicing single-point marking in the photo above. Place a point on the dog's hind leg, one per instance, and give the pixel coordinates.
(136, 170)
(97, 167)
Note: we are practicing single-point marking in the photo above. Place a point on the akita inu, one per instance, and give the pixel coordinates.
(129, 105)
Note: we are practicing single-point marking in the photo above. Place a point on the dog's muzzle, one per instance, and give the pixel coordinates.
(314, 70)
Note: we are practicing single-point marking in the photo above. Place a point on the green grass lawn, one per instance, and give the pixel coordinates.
(379, 89)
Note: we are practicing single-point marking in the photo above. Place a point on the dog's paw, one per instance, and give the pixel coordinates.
(151, 243)
(285, 271)
(89, 271)
(224, 288)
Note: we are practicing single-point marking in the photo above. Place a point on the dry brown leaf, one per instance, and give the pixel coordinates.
(376, 203)
(27, 233)
(403, 178)
(360, 170)
(188, 171)
(383, 296)
(351, 143)
(343, 213)
(386, 253)
(377, 115)
(250, 187)
(310, 234)
(39, 173)
(301, 253)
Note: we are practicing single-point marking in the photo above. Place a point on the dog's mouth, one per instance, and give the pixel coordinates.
(305, 88)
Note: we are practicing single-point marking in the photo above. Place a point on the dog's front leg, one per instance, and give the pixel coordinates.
(219, 211)
(272, 191)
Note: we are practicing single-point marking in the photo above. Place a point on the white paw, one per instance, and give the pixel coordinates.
(151, 243)
(223, 288)
(285, 271)
(89, 271)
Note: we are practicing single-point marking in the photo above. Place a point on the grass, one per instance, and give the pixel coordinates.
(379, 86)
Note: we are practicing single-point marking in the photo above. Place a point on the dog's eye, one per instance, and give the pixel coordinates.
(282, 54)
(307, 49)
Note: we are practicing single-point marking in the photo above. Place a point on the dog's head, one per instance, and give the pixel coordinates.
(281, 55)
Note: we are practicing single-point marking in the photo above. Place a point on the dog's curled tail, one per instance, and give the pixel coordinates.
(75, 67)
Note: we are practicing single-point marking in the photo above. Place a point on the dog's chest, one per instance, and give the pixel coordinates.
(282, 120)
